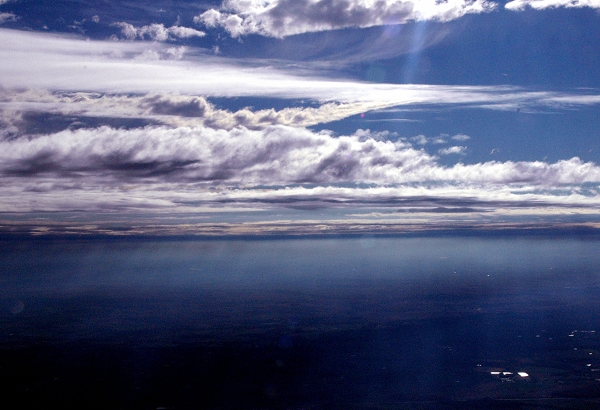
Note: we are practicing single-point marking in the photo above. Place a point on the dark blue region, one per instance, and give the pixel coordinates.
(550, 134)
(339, 323)
(551, 48)
(76, 16)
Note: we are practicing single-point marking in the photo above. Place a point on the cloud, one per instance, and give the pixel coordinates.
(281, 18)
(4, 17)
(420, 139)
(419, 221)
(157, 32)
(71, 64)
(199, 169)
(518, 5)
(452, 150)
(198, 111)
(461, 137)
(10, 122)
(277, 155)
(175, 110)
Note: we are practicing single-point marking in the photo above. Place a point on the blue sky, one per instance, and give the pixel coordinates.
(310, 116)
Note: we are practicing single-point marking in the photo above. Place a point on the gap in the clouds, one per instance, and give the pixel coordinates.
(494, 135)
(541, 48)
(527, 49)
(37, 123)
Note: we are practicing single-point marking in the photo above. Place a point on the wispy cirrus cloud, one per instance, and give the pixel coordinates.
(281, 18)
(518, 5)
(71, 64)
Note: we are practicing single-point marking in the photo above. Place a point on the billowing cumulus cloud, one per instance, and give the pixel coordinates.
(276, 155)
(157, 32)
(518, 5)
(281, 18)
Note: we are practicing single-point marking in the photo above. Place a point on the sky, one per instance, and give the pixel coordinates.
(250, 117)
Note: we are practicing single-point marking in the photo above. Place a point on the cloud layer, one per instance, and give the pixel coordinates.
(281, 18)
(171, 109)
(69, 64)
(277, 155)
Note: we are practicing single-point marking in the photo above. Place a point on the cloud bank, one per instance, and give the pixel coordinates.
(167, 171)
(277, 155)
(281, 18)
(171, 109)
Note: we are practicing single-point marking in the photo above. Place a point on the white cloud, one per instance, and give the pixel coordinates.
(157, 32)
(71, 64)
(281, 18)
(519, 5)
(461, 137)
(4, 17)
(420, 139)
(452, 150)
(189, 169)
(276, 155)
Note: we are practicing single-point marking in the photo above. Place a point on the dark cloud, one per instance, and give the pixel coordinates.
(191, 107)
